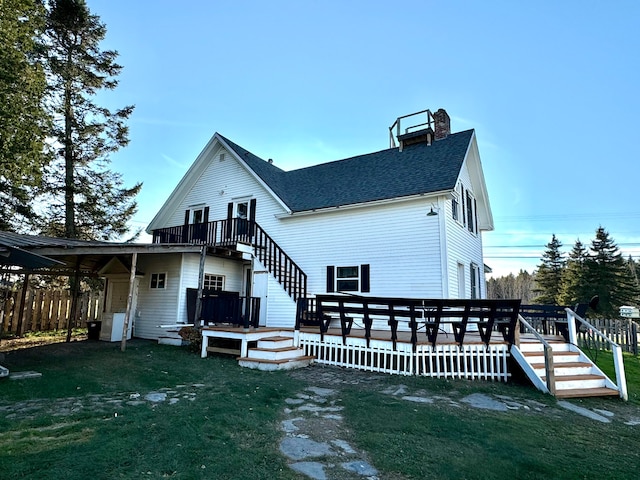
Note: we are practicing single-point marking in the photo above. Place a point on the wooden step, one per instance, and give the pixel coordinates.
(281, 353)
(587, 392)
(574, 382)
(564, 365)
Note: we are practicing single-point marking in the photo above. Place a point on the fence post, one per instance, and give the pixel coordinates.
(634, 338)
(571, 324)
(621, 378)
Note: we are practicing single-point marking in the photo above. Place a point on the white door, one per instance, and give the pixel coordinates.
(260, 290)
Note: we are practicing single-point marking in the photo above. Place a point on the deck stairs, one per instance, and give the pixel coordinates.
(575, 374)
(275, 353)
(171, 337)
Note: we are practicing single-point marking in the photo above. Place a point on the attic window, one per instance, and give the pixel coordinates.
(222, 157)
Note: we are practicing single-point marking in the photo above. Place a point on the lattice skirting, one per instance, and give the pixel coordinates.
(444, 361)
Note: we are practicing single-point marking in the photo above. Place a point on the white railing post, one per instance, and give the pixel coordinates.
(571, 325)
(621, 378)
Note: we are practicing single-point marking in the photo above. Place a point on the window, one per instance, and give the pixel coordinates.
(470, 213)
(213, 282)
(462, 217)
(158, 280)
(348, 279)
(198, 216)
(474, 276)
(454, 208)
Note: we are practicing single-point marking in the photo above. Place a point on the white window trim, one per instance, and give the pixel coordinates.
(357, 278)
(157, 274)
(223, 277)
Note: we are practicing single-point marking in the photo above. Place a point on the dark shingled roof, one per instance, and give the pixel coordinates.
(375, 176)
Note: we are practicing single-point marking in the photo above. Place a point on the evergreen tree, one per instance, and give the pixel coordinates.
(549, 274)
(575, 285)
(609, 276)
(23, 119)
(85, 199)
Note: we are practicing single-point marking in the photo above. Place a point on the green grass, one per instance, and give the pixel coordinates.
(226, 425)
(229, 430)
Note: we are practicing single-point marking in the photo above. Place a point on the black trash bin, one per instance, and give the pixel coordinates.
(93, 330)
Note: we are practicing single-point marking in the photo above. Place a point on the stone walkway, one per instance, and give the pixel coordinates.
(316, 438)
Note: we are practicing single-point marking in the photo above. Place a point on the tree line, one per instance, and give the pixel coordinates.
(55, 139)
(577, 277)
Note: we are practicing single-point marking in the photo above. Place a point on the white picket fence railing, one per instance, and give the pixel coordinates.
(471, 361)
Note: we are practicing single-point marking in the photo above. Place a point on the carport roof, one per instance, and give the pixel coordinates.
(87, 255)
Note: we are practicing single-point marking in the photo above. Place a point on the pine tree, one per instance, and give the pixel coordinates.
(575, 284)
(85, 198)
(549, 274)
(23, 119)
(610, 276)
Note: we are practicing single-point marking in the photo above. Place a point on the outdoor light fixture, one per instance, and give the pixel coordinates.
(432, 213)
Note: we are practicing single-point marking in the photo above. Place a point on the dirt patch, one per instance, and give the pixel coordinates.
(18, 343)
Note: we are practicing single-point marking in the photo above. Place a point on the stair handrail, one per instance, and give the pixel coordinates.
(297, 288)
(618, 362)
(548, 355)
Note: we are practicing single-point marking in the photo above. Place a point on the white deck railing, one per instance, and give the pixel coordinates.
(618, 362)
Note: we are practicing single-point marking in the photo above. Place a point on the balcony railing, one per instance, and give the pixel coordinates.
(228, 233)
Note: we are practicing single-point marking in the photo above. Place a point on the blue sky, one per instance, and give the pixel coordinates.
(550, 87)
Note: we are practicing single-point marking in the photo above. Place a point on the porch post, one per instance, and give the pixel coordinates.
(127, 315)
(75, 286)
(203, 257)
(23, 299)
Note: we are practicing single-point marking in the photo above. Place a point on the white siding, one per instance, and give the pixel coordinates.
(401, 244)
(223, 182)
(463, 246)
(157, 306)
(398, 241)
(168, 306)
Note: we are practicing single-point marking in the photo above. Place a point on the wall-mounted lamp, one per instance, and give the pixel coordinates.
(432, 213)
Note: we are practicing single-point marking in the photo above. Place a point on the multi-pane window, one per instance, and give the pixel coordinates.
(474, 275)
(470, 213)
(158, 280)
(454, 208)
(213, 282)
(347, 279)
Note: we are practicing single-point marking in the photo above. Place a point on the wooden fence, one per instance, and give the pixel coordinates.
(623, 331)
(45, 310)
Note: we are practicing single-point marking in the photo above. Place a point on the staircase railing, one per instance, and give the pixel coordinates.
(618, 362)
(550, 381)
(280, 265)
(221, 233)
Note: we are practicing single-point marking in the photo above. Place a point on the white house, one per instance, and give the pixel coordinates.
(402, 222)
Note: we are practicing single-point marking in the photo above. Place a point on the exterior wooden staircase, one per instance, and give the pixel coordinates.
(275, 353)
(574, 374)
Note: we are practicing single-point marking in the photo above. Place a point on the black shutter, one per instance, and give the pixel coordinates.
(252, 216)
(475, 211)
(185, 228)
(252, 210)
(206, 215)
(229, 219)
(331, 273)
(364, 278)
(464, 207)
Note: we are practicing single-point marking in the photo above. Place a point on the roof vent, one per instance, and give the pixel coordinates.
(419, 128)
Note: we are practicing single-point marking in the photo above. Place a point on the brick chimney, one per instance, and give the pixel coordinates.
(442, 124)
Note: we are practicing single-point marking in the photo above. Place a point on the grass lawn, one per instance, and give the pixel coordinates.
(86, 417)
